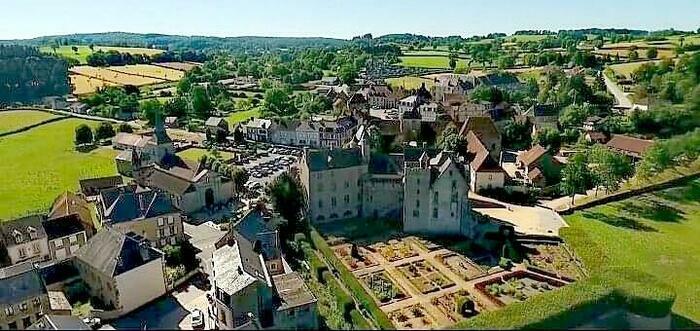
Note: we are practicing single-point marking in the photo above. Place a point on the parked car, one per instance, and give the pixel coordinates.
(197, 319)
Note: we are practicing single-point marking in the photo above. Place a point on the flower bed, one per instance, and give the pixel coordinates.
(517, 286)
(458, 306)
(424, 276)
(554, 259)
(395, 250)
(383, 288)
(412, 317)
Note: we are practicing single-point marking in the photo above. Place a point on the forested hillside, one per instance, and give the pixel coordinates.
(27, 75)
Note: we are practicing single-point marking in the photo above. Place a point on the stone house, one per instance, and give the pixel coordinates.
(65, 236)
(446, 85)
(90, 187)
(539, 167)
(485, 172)
(190, 185)
(75, 208)
(216, 127)
(25, 240)
(143, 211)
(23, 297)
(151, 147)
(379, 96)
(435, 195)
(121, 271)
(248, 293)
(486, 131)
(257, 129)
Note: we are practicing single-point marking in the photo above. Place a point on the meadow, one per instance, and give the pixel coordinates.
(436, 62)
(42, 163)
(242, 116)
(626, 69)
(195, 154)
(85, 85)
(655, 233)
(84, 51)
(17, 119)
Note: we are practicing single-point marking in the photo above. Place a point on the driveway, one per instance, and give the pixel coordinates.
(620, 96)
(203, 237)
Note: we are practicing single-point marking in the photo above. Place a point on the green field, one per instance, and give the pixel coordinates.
(17, 119)
(437, 62)
(84, 51)
(241, 116)
(626, 69)
(41, 163)
(196, 154)
(409, 82)
(526, 37)
(655, 233)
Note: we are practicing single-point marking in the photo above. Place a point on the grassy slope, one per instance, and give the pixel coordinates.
(438, 62)
(655, 233)
(41, 163)
(84, 51)
(13, 120)
(241, 116)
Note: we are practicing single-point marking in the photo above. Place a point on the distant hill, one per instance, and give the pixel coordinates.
(173, 42)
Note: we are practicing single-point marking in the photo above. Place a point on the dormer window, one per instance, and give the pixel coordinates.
(18, 236)
(32, 232)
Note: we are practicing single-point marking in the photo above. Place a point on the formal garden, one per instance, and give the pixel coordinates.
(395, 250)
(354, 257)
(517, 286)
(555, 259)
(425, 277)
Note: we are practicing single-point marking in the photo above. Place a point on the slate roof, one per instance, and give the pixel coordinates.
(292, 291)
(19, 283)
(23, 225)
(258, 123)
(539, 110)
(92, 186)
(236, 266)
(386, 164)
(256, 226)
(495, 79)
(131, 202)
(214, 121)
(454, 80)
(132, 140)
(59, 322)
(324, 159)
(168, 182)
(114, 253)
(66, 226)
(629, 144)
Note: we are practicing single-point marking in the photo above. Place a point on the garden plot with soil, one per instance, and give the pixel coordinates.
(465, 268)
(555, 259)
(412, 317)
(458, 306)
(517, 286)
(383, 288)
(425, 277)
(354, 257)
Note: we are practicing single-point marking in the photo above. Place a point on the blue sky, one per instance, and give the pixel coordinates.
(336, 18)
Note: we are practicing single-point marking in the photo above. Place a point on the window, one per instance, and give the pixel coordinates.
(172, 230)
(173, 241)
(454, 184)
(417, 203)
(333, 202)
(22, 252)
(347, 184)
(435, 212)
(161, 233)
(415, 213)
(163, 242)
(171, 220)
(435, 197)
(347, 199)
(273, 266)
(23, 306)
(9, 311)
(160, 221)
(320, 203)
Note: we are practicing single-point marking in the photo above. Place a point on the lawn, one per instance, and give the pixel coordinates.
(41, 163)
(437, 62)
(84, 51)
(17, 119)
(197, 153)
(655, 233)
(242, 116)
(409, 82)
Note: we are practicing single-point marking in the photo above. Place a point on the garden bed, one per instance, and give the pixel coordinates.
(458, 306)
(425, 277)
(357, 258)
(517, 286)
(383, 288)
(412, 317)
(555, 259)
(395, 250)
(461, 266)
